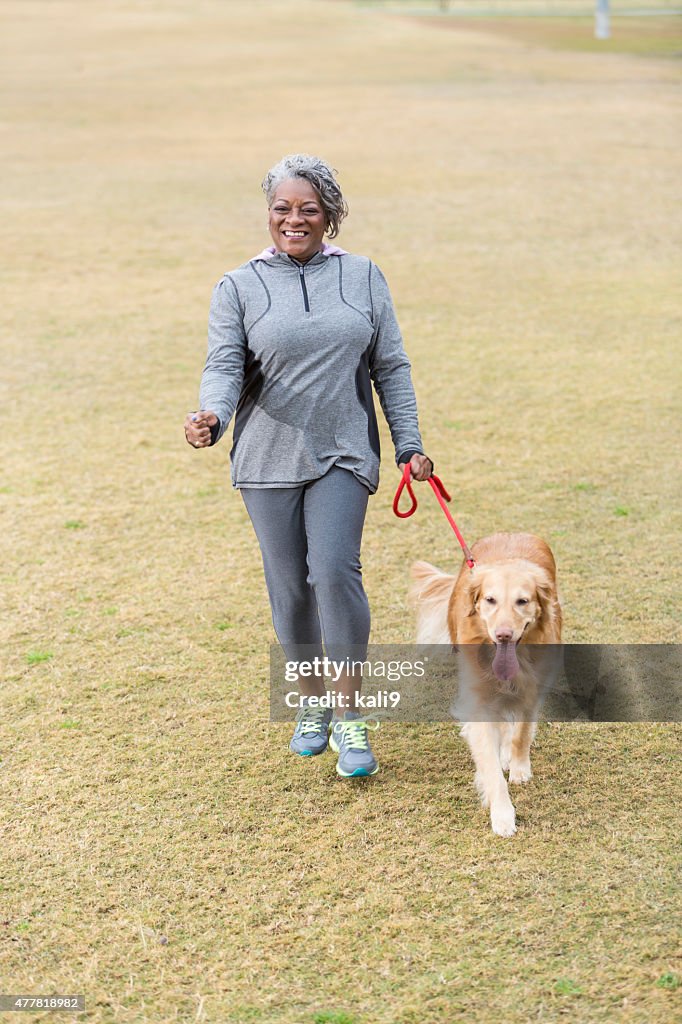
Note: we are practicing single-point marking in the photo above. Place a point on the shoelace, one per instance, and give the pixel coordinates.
(311, 721)
(355, 732)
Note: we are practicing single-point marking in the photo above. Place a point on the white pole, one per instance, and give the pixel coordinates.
(602, 27)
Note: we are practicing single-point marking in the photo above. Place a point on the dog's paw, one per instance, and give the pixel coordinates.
(503, 821)
(505, 756)
(520, 772)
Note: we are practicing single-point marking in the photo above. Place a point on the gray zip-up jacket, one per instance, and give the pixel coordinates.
(293, 348)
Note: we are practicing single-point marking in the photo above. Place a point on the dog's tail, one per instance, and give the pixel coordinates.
(430, 594)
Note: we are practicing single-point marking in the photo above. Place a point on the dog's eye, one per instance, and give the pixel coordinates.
(522, 600)
(491, 600)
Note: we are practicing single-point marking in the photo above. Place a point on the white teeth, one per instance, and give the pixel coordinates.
(295, 234)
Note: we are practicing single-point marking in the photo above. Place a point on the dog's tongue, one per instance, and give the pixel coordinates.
(505, 663)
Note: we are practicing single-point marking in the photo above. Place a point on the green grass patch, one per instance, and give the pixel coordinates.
(669, 981)
(566, 987)
(331, 1017)
(585, 487)
(36, 657)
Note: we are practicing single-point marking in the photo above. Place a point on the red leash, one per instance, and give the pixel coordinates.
(441, 493)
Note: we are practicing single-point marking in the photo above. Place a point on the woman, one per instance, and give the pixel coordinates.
(295, 336)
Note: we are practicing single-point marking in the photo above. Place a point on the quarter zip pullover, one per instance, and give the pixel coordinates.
(299, 373)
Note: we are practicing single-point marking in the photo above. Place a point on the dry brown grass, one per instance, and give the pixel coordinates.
(161, 850)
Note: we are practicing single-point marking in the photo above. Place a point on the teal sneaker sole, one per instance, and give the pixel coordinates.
(359, 773)
(307, 753)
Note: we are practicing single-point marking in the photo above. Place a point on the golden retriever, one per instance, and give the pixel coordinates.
(499, 615)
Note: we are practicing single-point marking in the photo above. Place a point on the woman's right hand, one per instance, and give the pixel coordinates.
(198, 427)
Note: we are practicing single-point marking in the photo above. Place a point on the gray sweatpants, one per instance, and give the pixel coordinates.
(310, 539)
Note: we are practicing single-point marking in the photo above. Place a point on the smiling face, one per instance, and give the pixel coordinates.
(297, 220)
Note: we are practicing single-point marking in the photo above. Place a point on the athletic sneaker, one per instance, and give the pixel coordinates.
(349, 740)
(311, 734)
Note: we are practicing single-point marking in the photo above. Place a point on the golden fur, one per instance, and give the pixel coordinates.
(504, 618)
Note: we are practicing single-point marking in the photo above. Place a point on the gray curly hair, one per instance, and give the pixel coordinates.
(320, 175)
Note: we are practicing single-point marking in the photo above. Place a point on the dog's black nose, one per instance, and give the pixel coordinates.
(503, 636)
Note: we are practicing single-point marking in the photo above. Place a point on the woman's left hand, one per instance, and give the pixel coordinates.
(421, 467)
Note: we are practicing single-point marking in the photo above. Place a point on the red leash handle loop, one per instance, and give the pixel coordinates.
(442, 496)
(405, 482)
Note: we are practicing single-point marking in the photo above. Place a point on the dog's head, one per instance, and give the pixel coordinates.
(512, 601)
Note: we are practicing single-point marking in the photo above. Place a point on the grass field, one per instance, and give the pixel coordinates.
(162, 853)
(643, 37)
(647, 28)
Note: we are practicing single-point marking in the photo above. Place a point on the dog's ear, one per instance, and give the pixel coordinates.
(473, 596)
(546, 593)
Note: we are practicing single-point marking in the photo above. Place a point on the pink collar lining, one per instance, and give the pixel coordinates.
(326, 250)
